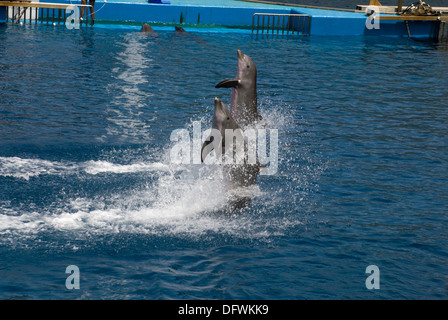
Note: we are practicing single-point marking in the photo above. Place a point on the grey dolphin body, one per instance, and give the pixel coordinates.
(222, 120)
(147, 28)
(240, 172)
(243, 103)
(179, 29)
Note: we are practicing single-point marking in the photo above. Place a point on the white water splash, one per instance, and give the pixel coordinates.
(185, 201)
(26, 168)
(173, 202)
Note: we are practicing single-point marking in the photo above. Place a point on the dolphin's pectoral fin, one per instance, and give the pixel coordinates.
(204, 153)
(209, 145)
(228, 83)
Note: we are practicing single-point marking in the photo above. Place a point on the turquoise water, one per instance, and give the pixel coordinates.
(86, 178)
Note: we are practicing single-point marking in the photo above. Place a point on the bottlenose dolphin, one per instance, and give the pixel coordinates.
(228, 141)
(243, 103)
(147, 28)
(222, 121)
(179, 29)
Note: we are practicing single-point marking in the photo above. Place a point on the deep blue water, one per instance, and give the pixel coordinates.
(86, 178)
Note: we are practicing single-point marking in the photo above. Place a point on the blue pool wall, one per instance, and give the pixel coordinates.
(334, 23)
(141, 12)
(323, 22)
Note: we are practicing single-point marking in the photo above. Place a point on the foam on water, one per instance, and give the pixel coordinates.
(26, 168)
(180, 200)
(186, 203)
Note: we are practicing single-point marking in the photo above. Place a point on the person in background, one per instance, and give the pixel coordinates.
(92, 10)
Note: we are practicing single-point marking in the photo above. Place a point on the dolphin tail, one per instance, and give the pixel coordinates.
(228, 83)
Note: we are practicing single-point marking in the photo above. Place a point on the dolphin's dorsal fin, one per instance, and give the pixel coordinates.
(228, 83)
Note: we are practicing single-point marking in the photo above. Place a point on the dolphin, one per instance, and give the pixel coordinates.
(238, 171)
(182, 32)
(222, 121)
(179, 29)
(243, 103)
(147, 28)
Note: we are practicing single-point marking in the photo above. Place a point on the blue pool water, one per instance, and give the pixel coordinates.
(86, 178)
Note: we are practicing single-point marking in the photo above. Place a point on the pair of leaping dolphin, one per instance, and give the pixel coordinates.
(243, 113)
(243, 102)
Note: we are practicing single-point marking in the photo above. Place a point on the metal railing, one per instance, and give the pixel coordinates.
(39, 15)
(281, 24)
(443, 30)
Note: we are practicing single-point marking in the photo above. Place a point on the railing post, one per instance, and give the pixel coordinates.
(303, 23)
(278, 24)
(267, 27)
(283, 26)
(253, 20)
(262, 27)
(309, 25)
(400, 6)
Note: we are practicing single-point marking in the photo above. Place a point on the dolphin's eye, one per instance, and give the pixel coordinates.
(228, 118)
(248, 66)
(212, 138)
